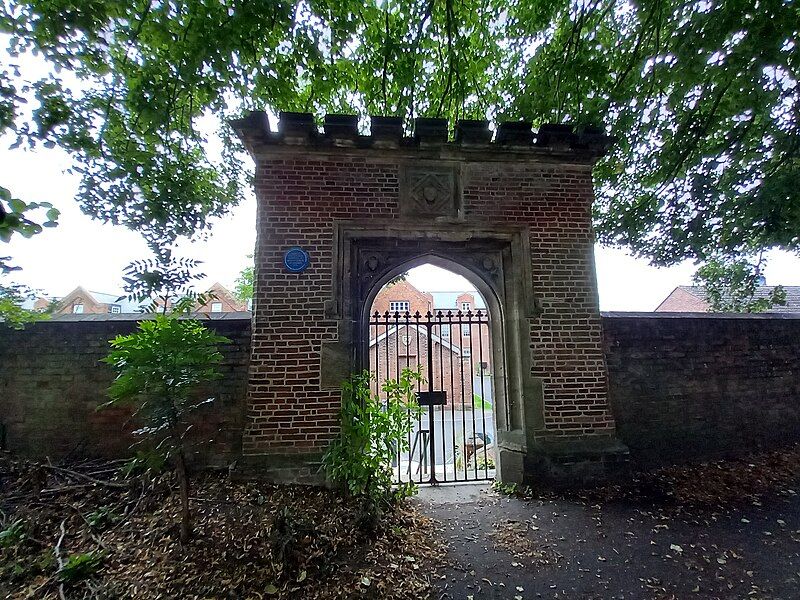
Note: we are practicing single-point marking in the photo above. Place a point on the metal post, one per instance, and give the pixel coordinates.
(431, 427)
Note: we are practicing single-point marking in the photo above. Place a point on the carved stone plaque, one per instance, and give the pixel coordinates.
(429, 191)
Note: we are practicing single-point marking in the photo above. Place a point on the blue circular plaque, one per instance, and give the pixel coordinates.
(295, 260)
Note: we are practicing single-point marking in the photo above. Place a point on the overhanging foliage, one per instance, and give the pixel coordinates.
(702, 96)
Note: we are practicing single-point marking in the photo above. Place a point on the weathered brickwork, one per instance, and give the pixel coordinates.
(301, 198)
(554, 201)
(52, 381)
(681, 387)
(689, 386)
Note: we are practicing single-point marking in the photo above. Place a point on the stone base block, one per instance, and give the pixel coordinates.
(302, 469)
(575, 463)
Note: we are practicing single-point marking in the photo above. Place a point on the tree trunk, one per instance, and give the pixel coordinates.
(183, 484)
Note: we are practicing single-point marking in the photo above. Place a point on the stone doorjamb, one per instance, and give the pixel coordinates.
(495, 259)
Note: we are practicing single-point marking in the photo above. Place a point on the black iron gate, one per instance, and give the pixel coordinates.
(453, 439)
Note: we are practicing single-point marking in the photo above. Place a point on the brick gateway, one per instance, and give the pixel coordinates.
(511, 215)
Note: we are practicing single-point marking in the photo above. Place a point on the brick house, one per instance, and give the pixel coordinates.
(222, 300)
(82, 301)
(406, 347)
(688, 298)
(461, 340)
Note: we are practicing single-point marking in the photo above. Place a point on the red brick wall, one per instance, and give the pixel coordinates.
(555, 202)
(388, 357)
(52, 380)
(299, 201)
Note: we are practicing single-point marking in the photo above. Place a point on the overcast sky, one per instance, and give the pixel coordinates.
(81, 251)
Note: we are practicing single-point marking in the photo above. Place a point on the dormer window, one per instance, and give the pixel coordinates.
(115, 309)
(466, 307)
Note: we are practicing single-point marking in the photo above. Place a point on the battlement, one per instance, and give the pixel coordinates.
(387, 133)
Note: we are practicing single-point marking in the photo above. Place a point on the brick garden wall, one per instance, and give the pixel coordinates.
(680, 386)
(51, 382)
(683, 386)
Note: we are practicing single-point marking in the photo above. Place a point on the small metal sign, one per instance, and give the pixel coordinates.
(295, 260)
(432, 398)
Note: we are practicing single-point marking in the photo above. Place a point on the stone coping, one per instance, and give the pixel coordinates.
(700, 315)
(341, 131)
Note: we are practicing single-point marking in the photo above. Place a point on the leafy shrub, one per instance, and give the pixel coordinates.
(159, 367)
(12, 535)
(485, 462)
(102, 518)
(81, 566)
(372, 432)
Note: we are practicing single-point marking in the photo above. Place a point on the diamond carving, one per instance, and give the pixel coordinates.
(429, 192)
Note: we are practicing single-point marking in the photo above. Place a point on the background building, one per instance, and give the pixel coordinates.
(688, 298)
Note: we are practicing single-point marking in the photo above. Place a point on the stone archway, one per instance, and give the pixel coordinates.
(514, 213)
(492, 259)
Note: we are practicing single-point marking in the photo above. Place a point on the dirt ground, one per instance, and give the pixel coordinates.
(728, 529)
(723, 530)
(87, 531)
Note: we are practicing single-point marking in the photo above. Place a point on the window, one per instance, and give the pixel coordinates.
(115, 309)
(466, 353)
(399, 306)
(216, 307)
(446, 332)
(77, 309)
(465, 307)
(465, 330)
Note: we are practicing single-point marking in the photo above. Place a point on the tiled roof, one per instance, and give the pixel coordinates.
(126, 306)
(792, 297)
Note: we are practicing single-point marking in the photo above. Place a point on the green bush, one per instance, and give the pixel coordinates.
(12, 535)
(372, 433)
(159, 369)
(81, 566)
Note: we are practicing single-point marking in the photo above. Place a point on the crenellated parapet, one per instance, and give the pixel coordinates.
(387, 133)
